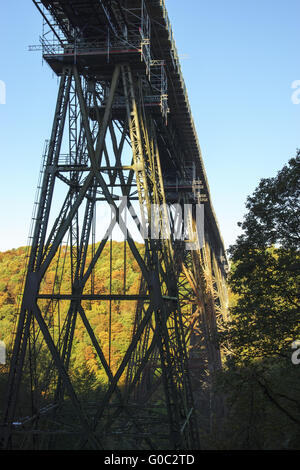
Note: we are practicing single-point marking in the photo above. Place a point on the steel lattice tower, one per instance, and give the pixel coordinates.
(122, 137)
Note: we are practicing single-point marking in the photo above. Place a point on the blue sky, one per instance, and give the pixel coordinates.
(239, 60)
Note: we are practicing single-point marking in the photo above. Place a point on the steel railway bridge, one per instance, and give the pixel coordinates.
(123, 137)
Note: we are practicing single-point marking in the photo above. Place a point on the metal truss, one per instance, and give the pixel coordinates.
(113, 147)
(90, 173)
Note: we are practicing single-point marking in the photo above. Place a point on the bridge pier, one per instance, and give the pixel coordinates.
(119, 140)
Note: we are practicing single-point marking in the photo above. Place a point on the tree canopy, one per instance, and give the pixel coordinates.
(260, 382)
(266, 266)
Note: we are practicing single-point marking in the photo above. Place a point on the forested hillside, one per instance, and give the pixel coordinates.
(122, 315)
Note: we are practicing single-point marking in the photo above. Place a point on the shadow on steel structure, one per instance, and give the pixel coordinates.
(123, 137)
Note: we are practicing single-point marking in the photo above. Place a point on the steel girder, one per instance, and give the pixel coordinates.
(159, 332)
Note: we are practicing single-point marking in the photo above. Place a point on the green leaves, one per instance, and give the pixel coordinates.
(265, 275)
(260, 382)
(273, 216)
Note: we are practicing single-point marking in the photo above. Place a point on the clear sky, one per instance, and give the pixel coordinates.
(239, 60)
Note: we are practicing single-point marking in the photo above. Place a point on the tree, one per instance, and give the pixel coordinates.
(260, 381)
(266, 269)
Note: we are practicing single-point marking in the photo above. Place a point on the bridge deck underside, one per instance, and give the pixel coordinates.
(93, 24)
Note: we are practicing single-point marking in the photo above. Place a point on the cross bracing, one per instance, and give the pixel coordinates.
(122, 138)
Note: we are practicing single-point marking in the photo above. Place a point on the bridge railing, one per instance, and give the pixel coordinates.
(174, 51)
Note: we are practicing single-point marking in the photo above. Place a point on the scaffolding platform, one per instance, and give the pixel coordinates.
(96, 60)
